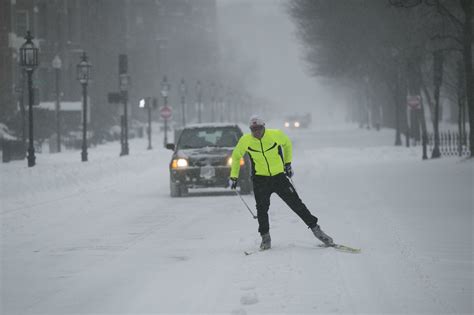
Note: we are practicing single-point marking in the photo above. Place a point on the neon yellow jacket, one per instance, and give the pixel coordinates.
(268, 155)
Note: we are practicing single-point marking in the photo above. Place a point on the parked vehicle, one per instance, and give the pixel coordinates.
(202, 158)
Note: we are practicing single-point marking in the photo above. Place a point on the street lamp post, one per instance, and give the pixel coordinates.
(182, 88)
(83, 76)
(124, 83)
(149, 103)
(21, 102)
(29, 61)
(199, 99)
(57, 69)
(124, 78)
(165, 88)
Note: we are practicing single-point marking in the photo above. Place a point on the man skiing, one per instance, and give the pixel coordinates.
(270, 152)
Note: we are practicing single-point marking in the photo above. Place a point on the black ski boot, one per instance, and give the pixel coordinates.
(266, 242)
(323, 237)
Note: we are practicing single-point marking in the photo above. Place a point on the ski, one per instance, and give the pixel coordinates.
(251, 252)
(339, 247)
(248, 253)
(342, 248)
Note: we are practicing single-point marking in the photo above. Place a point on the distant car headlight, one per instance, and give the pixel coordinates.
(287, 124)
(229, 161)
(297, 124)
(179, 163)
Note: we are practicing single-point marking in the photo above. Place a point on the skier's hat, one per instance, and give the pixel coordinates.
(255, 120)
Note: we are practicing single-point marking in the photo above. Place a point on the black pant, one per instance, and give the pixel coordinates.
(264, 186)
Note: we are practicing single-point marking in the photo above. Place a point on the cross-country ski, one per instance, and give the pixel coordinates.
(342, 248)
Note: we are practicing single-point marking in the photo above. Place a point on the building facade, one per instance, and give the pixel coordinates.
(160, 37)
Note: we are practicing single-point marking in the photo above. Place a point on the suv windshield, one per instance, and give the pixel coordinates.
(209, 137)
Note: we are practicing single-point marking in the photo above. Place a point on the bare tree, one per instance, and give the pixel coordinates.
(363, 42)
(460, 33)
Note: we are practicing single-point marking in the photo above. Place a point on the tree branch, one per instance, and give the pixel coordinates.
(443, 37)
(405, 3)
(444, 11)
(434, 3)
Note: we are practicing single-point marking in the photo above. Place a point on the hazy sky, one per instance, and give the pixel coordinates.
(262, 30)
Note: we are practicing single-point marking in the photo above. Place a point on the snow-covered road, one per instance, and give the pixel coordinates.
(105, 237)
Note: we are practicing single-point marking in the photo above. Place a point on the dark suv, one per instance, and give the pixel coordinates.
(202, 158)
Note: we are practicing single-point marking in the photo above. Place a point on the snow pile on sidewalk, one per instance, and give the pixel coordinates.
(64, 173)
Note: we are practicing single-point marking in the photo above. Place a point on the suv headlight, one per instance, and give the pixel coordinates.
(287, 124)
(297, 124)
(179, 163)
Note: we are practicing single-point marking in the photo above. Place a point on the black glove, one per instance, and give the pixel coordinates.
(288, 170)
(233, 183)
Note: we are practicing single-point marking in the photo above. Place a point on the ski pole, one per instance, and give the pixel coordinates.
(237, 193)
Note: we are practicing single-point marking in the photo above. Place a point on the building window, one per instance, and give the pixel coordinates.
(22, 22)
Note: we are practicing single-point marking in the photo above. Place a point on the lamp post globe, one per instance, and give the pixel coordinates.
(29, 53)
(83, 69)
(56, 63)
(83, 76)
(29, 62)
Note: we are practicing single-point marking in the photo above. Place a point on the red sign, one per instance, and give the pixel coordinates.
(414, 101)
(165, 112)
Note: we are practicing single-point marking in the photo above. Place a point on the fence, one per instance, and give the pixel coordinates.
(451, 143)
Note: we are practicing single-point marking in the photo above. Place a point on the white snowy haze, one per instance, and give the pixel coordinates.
(261, 32)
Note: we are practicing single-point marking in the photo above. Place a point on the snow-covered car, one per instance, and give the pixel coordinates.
(202, 158)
